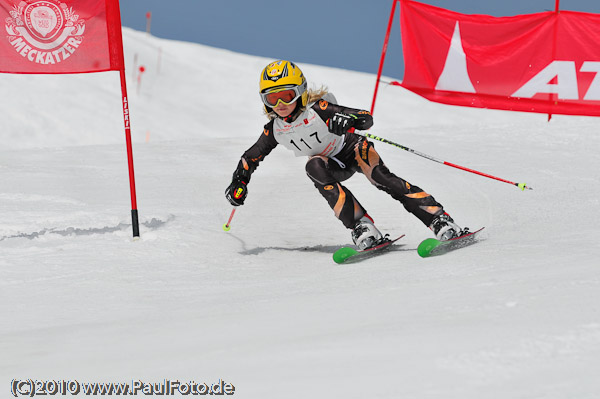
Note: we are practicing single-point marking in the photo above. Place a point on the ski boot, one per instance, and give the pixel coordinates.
(365, 235)
(445, 229)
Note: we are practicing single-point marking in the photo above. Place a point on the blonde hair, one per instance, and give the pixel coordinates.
(314, 95)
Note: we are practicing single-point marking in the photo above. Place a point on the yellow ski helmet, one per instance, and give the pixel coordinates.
(280, 76)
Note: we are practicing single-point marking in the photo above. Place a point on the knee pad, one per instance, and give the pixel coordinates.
(316, 169)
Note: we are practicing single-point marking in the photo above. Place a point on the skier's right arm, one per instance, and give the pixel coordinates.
(237, 191)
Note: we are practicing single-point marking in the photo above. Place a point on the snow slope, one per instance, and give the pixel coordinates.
(263, 306)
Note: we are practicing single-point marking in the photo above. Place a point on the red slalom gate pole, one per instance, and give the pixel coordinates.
(134, 211)
(148, 21)
(522, 186)
(112, 7)
(383, 53)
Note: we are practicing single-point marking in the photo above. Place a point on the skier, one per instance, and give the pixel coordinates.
(305, 122)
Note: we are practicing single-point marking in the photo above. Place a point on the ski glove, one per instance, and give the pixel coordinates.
(236, 192)
(340, 123)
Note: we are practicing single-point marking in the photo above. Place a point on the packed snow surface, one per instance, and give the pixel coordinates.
(263, 306)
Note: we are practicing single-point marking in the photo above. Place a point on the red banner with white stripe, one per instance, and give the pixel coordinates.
(547, 62)
(60, 36)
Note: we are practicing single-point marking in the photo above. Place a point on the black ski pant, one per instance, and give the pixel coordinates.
(359, 155)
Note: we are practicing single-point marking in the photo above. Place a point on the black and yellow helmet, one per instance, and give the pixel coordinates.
(280, 76)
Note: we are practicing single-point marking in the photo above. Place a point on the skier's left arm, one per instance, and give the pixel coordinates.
(361, 119)
(339, 118)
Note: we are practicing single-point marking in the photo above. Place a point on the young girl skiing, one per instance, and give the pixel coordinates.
(305, 122)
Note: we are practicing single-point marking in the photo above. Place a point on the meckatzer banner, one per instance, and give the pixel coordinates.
(54, 36)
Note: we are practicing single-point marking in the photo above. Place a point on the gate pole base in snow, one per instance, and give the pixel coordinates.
(135, 223)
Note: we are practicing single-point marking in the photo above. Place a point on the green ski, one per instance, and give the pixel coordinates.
(434, 247)
(350, 255)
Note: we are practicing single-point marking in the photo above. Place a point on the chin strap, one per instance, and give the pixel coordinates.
(292, 117)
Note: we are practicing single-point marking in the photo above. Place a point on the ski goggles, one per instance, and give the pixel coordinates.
(285, 94)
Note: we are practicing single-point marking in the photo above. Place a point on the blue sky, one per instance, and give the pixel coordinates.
(347, 34)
